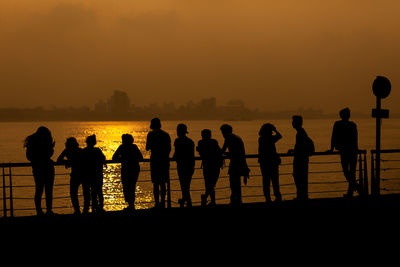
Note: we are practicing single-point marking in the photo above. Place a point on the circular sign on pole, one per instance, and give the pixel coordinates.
(381, 87)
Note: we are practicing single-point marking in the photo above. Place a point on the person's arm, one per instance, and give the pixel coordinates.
(60, 158)
(192, 153)
(356, 136)
(174, 155)
(148, 142)
(139, 154)
(333, 138)
(102, 157)
(224, 147)
(169, 145)
(277, 136)
(117, 154)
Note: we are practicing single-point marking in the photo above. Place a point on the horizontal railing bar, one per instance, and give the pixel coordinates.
(386, 151)
(249, 156)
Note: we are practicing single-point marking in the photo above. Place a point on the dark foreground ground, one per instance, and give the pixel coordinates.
(314, 213)
(355, 229)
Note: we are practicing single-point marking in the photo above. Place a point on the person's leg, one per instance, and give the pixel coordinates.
(73, 191)
(187, 189)
(236, 192)
(86, 196)
(49, 189)
(100, 193)
(163, 187)
(275, 183)
(156, 193)
(39, 187)
(266, 178)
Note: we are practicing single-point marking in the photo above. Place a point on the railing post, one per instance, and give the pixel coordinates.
(4, 195)
(11, 194)
(360, 174)
(365, 175)
(168, 194)
(373, 180)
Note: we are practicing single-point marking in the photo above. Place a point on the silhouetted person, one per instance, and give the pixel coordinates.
(184, 156)
(72, 156)
(212, 160)
(39, 150)
(345, 140)
(269, 160)
(159, 143)
(129, 155)
(94, 160)
(238, 165)
(302, 150)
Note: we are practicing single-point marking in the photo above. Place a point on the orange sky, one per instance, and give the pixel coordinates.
(274, 55)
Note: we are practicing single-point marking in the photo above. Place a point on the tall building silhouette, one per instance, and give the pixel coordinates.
(118, 103)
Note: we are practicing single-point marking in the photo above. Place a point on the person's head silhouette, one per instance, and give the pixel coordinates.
(91, 140)
(155, 124)
(297, 121)
(127, 139)
(41, 137)
(43, 132)
(226, 130)
(206, 134)
(181, 130)
(345, 114)
(71, 143)
(266, 129)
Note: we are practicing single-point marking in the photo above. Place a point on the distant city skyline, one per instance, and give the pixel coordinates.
(118, 106)
(273, 55)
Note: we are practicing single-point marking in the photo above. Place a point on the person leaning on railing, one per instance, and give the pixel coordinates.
(39, 150)
(269, 160)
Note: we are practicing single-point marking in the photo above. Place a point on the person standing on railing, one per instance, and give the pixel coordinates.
(72, 156)
(212, 161)
(238, 165)
(345, 140)
(94, 160)
(159, 143)
(303, 148)
(39, 150)
(269, 160)
(184, 156)
(129, 155)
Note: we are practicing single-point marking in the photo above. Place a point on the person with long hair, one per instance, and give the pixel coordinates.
(269, 160)
(39, 150)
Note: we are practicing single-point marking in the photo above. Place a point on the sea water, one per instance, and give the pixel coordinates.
(325, 179)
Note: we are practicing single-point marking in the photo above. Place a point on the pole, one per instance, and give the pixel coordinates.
(378, 148)
(4, 195)
(373, 180)
(11, 195)
(360, 174)
(365, 175)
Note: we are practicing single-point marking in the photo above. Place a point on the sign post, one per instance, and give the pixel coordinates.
(381, 88)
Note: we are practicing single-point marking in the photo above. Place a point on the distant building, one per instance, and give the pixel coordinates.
(118, 103)
(100, 107)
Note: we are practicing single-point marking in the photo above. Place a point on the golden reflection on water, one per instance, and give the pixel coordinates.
(113, 191)
(108, 135)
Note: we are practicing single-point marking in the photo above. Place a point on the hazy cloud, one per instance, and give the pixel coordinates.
(272, 55)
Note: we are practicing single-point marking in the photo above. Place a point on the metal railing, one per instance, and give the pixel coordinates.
(388, 167)
(326, 180)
